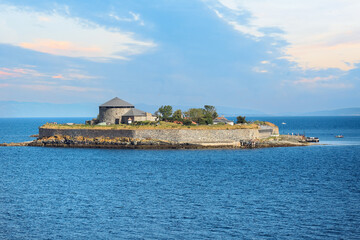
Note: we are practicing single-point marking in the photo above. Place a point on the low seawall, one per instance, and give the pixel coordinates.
(171, 135)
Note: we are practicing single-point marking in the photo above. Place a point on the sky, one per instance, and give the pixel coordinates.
(273, 56)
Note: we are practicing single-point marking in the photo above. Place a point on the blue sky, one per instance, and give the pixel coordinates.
(273, 56)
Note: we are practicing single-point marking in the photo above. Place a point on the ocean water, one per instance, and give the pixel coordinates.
(276, 193)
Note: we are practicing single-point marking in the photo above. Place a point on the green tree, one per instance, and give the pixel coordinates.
(241, 119)
(177, 115)
(210, 111)
(195, 114)
(157, 114)
(208, 120)
(209, 114)
(165, 112)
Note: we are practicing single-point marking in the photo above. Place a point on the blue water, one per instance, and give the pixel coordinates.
(278, 193)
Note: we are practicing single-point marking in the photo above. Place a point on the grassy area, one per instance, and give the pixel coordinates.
(162, 125)
(257, 122)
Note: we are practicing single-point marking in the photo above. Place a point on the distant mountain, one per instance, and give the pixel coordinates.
(34, 109)
(336, 112)
(234, 112)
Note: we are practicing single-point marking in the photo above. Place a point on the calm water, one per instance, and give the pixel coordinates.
(280, 193)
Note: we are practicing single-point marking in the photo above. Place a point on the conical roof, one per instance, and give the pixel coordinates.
(117, 102)
(134, 112)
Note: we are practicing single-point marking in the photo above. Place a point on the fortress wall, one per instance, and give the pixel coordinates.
(264, 133)
(268, 131)
(197, 136)
(90, 133)
(173, 135)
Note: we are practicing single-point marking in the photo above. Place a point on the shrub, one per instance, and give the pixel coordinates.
(241, 119)
(187, 122)
(209, 120)
(202, 121)
(257, 122)
(141, 123)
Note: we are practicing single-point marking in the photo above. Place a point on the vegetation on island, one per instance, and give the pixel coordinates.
(200, 116)
(193, 118)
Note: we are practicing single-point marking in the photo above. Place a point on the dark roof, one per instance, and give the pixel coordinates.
(134, 112)
(117, 102)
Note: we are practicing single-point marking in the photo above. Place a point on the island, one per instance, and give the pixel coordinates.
(120, 125)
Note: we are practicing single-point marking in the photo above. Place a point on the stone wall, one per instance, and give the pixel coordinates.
(264, 133)
(198, 136)
(173, 135)
(90, 133)
(147, 117)
(267, 131)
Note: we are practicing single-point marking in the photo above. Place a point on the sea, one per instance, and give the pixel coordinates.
(272, 193)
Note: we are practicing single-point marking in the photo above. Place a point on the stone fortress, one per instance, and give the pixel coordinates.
(118, 111)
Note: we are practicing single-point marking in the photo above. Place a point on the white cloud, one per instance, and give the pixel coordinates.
(249, 30)
(30, 73)
(39, 87)
(321, 34)
(134, 17)
(259, 70)
(67, 36)
(28, 78)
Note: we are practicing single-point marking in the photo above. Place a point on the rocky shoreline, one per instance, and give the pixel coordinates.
(131, 143)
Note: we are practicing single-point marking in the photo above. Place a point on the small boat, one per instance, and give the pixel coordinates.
(312, 139)
(339, 136)
(283, 123)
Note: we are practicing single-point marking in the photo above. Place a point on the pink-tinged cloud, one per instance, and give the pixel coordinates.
(29, 72)
(315, 79)
(4, 85)
(37, 87)
(321, 34)
(26, 74)
(20, 72)
(45, 87)
(73, 74)
(63, 48)
(6, 74)
(80, 76)
(69, 36)
(80, 89)
(321, 56)
(58, 76)
(322, 82)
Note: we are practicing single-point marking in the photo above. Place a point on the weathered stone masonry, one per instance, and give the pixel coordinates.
(173, 135)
